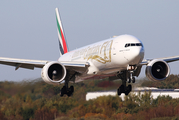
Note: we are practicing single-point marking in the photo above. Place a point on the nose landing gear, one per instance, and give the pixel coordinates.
(123, 88)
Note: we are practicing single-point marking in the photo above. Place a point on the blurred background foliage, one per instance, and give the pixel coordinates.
(36, 100)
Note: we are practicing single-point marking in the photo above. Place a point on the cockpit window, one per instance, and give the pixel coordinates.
(138, 44)
(133, 44)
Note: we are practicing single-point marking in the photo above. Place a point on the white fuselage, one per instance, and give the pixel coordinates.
(109, 56)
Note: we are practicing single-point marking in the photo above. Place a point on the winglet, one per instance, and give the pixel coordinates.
(61, 36)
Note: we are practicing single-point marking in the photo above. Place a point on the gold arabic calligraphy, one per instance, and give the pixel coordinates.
(100, 53)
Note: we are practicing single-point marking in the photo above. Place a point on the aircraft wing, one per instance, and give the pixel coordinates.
(31, 64)
(166, 59)
(79, 67)
(23, 63)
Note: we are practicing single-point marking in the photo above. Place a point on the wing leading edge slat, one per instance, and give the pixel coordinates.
(31, 64)
(166, 59)
(22, 63)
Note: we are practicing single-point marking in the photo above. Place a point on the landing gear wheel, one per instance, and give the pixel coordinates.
(128, 89)
(126, 92)
(63, 91)
(70, 91)
(125, 76)
(133, 79)
(129, 80)
(120, 90)
(67, 91)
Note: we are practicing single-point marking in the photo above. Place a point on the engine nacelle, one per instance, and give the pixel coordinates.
(53, 72)
(157, 70)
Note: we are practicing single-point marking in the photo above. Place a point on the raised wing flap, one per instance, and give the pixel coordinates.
(23, 63)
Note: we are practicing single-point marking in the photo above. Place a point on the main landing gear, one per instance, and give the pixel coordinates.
(66, 90)
(124, 76)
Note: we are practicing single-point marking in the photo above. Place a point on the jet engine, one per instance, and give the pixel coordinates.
(157, 70)
(53, 72)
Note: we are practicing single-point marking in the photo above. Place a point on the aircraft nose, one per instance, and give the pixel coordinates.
(135, 55)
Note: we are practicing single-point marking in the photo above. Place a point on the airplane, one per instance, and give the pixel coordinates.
(120, 57)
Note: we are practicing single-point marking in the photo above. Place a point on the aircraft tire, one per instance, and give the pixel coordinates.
(119, 91)
(122, 88)
(129, 80)
(70, 91)
(128, 89)
(63, 91)
(133, 79)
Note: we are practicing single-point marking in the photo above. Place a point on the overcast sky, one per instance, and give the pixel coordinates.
(28, 28)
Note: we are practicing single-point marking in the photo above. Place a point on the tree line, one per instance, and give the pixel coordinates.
(36, 100)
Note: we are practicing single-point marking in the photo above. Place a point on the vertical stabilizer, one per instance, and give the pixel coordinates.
(61, 36)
